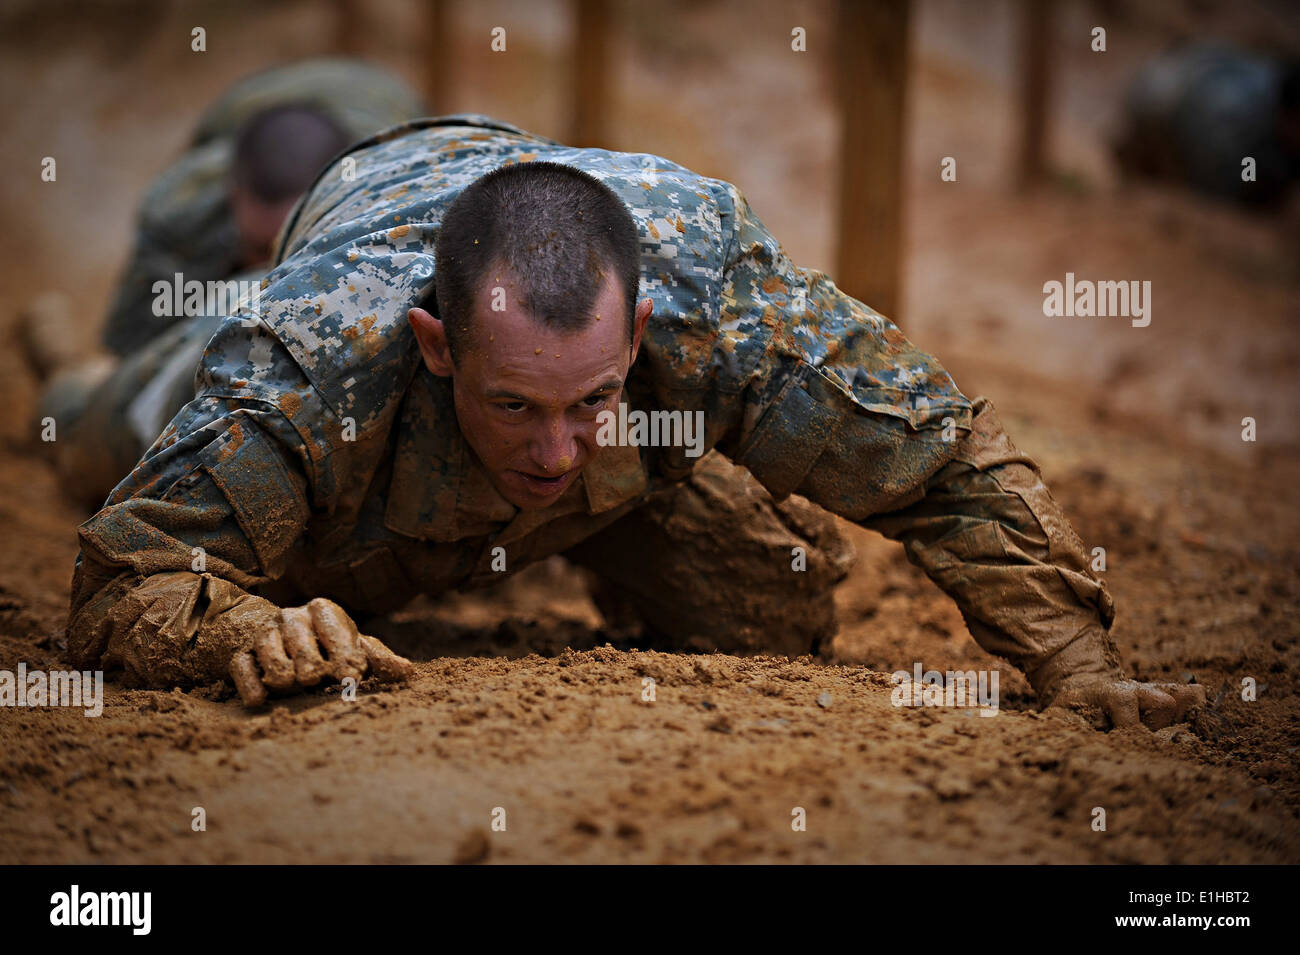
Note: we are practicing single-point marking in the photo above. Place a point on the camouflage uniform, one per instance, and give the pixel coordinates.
(185, 221)
(186, 227)
(322, 454)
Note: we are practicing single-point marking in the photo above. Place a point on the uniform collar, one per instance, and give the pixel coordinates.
(439, 491)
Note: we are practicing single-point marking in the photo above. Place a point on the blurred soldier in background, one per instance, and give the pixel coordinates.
(1194, 115)
(212, 216)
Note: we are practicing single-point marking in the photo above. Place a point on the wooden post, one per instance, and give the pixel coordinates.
(872, 60)
(438, 54)
(1035, 90)
(347, 26)
(591, 74)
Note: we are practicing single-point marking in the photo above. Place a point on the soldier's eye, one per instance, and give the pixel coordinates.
(514, 406)
(594, 401)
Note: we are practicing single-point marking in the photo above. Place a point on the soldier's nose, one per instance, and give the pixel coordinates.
(554, 453)
(553, 465)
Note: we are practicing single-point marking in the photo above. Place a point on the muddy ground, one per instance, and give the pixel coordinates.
(525, 701)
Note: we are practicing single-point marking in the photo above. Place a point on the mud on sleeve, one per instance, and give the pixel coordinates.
(989, 533)
(831, 399)
(158, 586)
(839, 406)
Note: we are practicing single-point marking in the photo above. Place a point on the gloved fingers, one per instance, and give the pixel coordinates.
(300, 644)
(278, 670)
(1129, 703)
(243, 670)
(1187, 696)
(1158, 707)
(1121, 703)
(337, 633)
(384, 663)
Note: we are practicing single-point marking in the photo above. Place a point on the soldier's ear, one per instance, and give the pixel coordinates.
(432, 338)
(639, 319)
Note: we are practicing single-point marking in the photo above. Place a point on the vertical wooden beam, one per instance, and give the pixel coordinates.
(872, 58)
(438, 54)
(347, 26)
(1035, 90)
(591, 78)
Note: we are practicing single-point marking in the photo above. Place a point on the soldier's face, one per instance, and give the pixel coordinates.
(527, 397)
(258, 223)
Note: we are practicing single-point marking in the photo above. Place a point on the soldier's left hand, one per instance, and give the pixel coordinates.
(1129, 703)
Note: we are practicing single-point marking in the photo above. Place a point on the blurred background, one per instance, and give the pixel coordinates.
(838, 147)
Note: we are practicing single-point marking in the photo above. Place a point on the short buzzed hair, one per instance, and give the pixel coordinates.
(279, 151)
(558, 231)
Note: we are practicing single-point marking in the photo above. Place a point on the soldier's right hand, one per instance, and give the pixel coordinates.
(308, 644)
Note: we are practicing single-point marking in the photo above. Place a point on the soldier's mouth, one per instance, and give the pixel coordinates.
(546, 485)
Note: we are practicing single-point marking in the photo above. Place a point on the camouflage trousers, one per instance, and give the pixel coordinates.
(714, 563)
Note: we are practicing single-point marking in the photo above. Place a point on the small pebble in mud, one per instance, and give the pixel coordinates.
(824, 700)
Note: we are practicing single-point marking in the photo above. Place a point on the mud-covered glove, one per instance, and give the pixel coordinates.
(301, 646)
(1085, 675)
(179, 628)
(1130, 703)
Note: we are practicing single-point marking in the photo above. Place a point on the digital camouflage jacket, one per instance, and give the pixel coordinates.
(321, 450)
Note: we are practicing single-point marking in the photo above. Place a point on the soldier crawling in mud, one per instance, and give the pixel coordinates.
(417, 393)
(210, 219)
